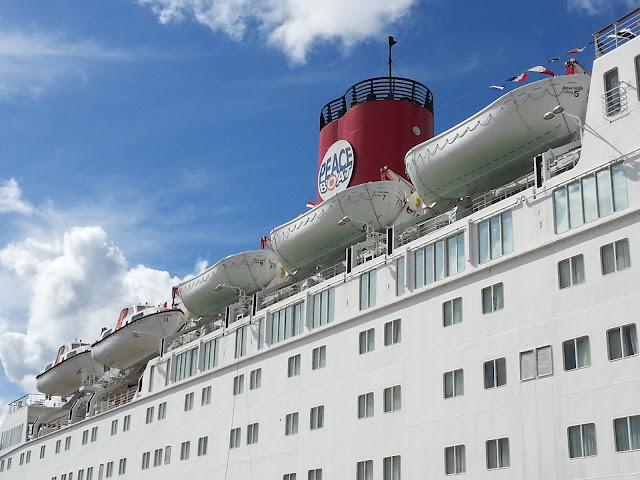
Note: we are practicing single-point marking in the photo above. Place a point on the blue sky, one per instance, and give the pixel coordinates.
(141, 139)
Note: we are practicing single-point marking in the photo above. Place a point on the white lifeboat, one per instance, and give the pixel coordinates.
(318, 237)
(498, 144)
(137, 335)
(64, 375)
(220, 285)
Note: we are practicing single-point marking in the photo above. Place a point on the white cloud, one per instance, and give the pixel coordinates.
(73, 281)
(291, 25)
(11, 198)
(595, 7)
(33, 62)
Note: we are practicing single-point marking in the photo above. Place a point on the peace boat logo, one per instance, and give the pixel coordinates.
(336, 169)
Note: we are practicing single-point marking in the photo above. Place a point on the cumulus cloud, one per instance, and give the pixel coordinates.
(74, 283)
(290, 25)
(595, 7)
(11, 198)
(33, 62)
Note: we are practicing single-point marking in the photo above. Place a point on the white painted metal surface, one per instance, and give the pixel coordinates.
(66, 377)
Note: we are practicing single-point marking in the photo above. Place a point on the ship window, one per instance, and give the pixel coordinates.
(63, 476)
(638, 75)
(94, 434)
(122, 466)
(365, 405)
(126, 423)
(157, 457)
(90, 473)
(100, 471)
(319, 357)
(392, 332)
(210, 354)
(167, 454)
(252, 433)
(81, 474)
(571, 271)
(493, 298)
(590, 198)
(109, 469)
(188, 402)
(114, 427)
(241, 342)
(203, 443)
(42, 449)
(615, 256)
(495, 237)
(582, 440)
(315, 474)
(185, 450)
(627, 433)
(291, 424)
(255, 379)
(455, 460)
(612, 92)
(21, 458)
(622, 342)
(149, 418)
(162, 410)
(367, 341)
(453, 383)
(28, 459)
(293, 366)
(152, 370)
(452, 312)
(536, 363)
(85, 437)
(495, 373)
(400, 277)
(287, 322)
(498, 453)
(289, 476)
(206, 396)
(238, 384)
(9, 463)
(146, 456)
(316, 417)
(323, 308)
(391, 468)
(392, 399)
(58, 445)
(364, 470)
(2, 466)
(234, 437)
(185, 365)
(437, 260)
(577, 353)
(367, 290)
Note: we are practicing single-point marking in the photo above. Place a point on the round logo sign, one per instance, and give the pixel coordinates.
(336, 169)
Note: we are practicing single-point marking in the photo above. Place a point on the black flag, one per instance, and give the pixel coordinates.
(392, 42)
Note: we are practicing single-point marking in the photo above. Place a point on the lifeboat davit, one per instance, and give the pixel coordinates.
(318, 237)
(498, 144)
(220, 285)
(137, 335)
(64, 375)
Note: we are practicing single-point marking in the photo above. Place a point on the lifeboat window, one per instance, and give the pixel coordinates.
(612, 95)
(71, 354)
(107, 333)
(136, 317)
(49, 365)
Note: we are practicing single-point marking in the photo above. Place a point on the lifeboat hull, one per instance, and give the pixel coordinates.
(136, 341)
(315, 238)
(247, 271)
(498, 144)
(65, 378)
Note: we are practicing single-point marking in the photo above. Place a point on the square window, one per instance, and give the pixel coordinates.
(291, 424)
(493, 298)
(364, 470)
(392, 399)
(255, 379)
(162, 410)
(367, 341)
(234, 437)
(252, 433)
(391, 468)
(365, 405)
(627, 433)
(188, 402)
(571, 271)
(582, 440)
(622, 342)
(205, 398)
(498, 455)
(455, 460)
(185, 450)
(150, 415)
(316, 417)
(293, 366)
(453, 383)
(315, 474)
(392, 332)
(319, 357)
(495, 373)
(615, 256)
(238, 384)
(452, 312)
(576, 353)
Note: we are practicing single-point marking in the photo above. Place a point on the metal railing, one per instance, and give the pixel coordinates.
(616, 33)
(380, 88)
(374, 246)
(29, 399)
(279, 295)
(116, 400)
(614, 101)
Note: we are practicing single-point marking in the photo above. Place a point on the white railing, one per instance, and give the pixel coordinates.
(116, 400)
(617, 33)
(614, 101)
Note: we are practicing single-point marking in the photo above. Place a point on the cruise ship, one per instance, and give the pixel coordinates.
(459, 304)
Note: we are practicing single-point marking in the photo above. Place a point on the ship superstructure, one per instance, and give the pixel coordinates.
(490, 332)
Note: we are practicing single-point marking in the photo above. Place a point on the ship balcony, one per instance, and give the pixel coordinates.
(617, 33)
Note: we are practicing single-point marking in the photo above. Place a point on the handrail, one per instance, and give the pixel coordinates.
(379, 88)
(622, 30)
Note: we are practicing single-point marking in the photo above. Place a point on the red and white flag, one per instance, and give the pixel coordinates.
(541, 69)
(519, 78)
(576, 50)
(310, 205)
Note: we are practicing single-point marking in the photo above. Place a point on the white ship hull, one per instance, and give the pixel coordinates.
(316, 238)
(136, 341)
(65, 378)
(219, 286)
(496, 145)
